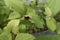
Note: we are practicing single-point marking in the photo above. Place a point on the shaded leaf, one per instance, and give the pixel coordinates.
(35, 18)
(25, 25)
(48, 37)
(22, 28)
(1, 30)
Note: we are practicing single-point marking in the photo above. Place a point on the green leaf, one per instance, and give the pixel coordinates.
(48, 37)
(1, 30)
(2, 3)
(16, 5)
(24, 36)
(51, 24)
(15, 29)
(14, 15)
(58, 28)
(24, 25)
(22, 28)
(54, 5)
(35, 17)
(48, 12)
(12, 25)
(4, 12)
(26, 22)
(5, 35)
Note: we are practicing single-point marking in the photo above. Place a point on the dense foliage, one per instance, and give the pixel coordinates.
(20, 19)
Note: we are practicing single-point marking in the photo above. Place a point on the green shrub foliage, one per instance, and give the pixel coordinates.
(20, 19)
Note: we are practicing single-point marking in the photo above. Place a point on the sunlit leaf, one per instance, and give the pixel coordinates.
(24, 36)
(54, 5)
(10, 26)
(5, 35)
(14, 15)
(48, 12)
(15, 29)
(16, 5)
(51, 24)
